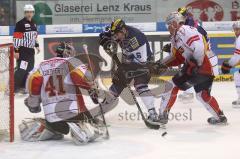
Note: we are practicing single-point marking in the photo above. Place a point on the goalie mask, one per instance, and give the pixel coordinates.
(65, 49)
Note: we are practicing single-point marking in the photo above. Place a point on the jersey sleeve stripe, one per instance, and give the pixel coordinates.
(192, 39)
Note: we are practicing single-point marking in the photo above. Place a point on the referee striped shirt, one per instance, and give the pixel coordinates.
(25, 34)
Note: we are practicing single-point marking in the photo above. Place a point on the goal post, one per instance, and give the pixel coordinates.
(7, 92)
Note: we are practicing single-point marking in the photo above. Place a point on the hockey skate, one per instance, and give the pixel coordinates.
(221, 120)
(236, 103)
(163, 118)
(153, 116)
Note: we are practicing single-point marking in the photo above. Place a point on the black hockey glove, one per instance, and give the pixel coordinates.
(225, 67)
(94, 95)
(104, 38)
(157, 67)
(167, 48)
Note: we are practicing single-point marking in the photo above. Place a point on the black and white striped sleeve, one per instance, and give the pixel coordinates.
(18, 37)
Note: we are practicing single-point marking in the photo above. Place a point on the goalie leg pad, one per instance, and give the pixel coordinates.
(83, 132)
(60, 126)
(36, 130)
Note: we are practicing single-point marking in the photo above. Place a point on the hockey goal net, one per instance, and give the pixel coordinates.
(6, 92)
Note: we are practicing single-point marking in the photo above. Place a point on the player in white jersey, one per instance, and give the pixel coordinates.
(188, 48)
(56, 84)
(235, 59)
(188, 95)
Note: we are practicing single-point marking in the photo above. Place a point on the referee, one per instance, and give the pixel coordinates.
(25, 40)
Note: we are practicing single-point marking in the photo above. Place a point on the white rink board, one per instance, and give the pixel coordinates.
(191, 139)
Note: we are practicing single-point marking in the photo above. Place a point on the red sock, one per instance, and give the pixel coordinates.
(173, 98)
(211, 101)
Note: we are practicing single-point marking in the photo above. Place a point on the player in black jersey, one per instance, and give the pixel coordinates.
(136, 53)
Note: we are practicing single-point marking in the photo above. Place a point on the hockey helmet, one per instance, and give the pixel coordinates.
(183, 11)
(28, 8)
(117, 25)
(174, 16)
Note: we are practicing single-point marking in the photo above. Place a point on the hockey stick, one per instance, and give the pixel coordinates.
(101, 109)
(149, 124)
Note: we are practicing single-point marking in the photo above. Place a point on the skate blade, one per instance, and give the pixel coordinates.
(220, 124)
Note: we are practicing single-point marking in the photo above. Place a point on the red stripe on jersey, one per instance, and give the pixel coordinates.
(192, 39)
(18, 35)
(237, 51)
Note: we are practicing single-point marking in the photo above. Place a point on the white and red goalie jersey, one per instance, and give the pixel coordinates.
(188, 44)
(235, 59)
(57, 82)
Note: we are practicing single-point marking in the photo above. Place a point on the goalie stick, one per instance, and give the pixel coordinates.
(111, 50)
(85, 48)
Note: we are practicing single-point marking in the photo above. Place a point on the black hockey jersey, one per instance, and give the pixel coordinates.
(136, 45)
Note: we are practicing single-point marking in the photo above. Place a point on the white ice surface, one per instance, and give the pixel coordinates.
(191, 139)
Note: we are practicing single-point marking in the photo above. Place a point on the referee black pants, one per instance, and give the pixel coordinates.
(25, 64)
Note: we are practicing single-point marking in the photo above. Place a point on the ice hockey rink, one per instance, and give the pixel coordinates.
(193, 138)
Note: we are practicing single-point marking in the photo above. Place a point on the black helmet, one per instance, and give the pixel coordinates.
(117, 25)
(183, 11)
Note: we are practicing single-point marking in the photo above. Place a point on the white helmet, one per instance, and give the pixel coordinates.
(236, 25)
(29, 8)
(174, 16)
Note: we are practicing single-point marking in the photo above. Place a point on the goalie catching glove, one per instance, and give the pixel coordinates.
(33, 103)
(225, 67)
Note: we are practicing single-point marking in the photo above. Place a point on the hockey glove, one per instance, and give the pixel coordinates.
(167, 48)
(104, 38)
(225, 67)
(94, 95)
(157, 68)
(33, 103)
(192, 68)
